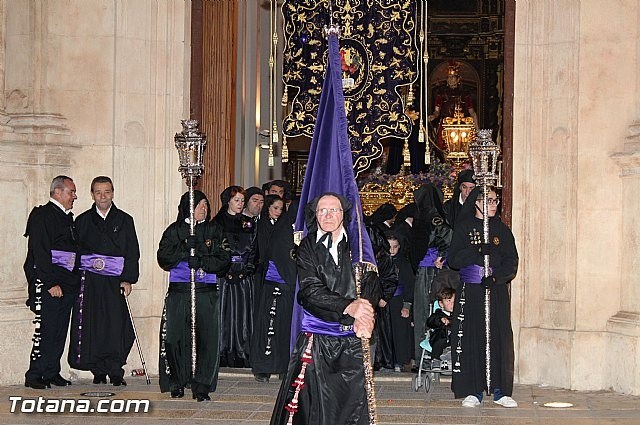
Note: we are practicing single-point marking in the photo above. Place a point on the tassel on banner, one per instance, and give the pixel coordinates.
(285, 150)
(285, 97)
(270, 161)
(410, 96)
(406, 154)
(427, 154)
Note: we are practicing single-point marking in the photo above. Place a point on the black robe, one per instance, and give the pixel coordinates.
(101, 331)
(274, 300)
(237, 289)
(49, 228)
(175, 327)
(333, 391)
(402, 332)
(468, 350)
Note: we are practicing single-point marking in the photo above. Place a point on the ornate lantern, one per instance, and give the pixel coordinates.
(484, 154)
(190, 144)
(458, 132)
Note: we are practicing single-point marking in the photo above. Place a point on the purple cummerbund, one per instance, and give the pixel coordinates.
(64, 259)
(472, 273)
(399, 290)
(272, 273)
(182, 274)
(429, 258)
(311, 323)
(105, 265)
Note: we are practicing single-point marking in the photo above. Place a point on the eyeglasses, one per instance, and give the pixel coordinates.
(491, 201)
(324, 211)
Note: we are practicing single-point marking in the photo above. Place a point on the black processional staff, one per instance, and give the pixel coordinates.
(190, 144)
(484, 154)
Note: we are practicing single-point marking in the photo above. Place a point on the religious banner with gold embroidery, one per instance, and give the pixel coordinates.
(379, 63)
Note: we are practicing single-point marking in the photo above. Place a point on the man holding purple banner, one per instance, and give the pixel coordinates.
(326, 367)
(101, 332)
(53, 281)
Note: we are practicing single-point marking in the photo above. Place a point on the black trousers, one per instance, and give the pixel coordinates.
(55, 314)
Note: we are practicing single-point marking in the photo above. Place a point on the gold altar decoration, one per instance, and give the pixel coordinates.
(458, 132)
(398, 193)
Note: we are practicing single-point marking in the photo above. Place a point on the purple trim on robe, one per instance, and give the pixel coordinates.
(311, 323)
(181, 273)
(473, 273)
(79, 302)
(272, 273)
(238, 259)
(104, 265)
(399, 290)
(64, 259)
(429, 258)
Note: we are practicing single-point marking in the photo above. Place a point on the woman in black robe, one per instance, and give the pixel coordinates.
(175, 327)
(274, 294)
(236, 286)
(468, 328)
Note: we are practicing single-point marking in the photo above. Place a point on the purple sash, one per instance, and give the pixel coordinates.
(64, 259)
(105, 265)
(473, 273)
(429, 258)
(311, 323)
(272, 273)
(182, 274)
(399, 290)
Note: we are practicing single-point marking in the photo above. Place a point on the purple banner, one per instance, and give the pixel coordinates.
(102, 264)
(272, 273)
(64, 259)
(311, 323)
(182, 274)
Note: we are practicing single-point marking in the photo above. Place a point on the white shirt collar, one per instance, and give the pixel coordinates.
(334, 246)
(104, 217)
(59, 205)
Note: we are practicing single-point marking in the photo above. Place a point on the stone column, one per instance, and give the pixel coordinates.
(624, 326)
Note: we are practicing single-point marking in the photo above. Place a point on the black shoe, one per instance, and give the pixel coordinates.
(201, 397)
(261, 377)
(100, 379)
(177, 393)
(58, 381)
(282, 376)
(117, 381)
(37, 384)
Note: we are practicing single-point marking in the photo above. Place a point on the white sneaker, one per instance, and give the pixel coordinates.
(506, 401)
(472, 401)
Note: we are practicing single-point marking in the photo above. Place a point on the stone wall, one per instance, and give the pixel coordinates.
(89, 88)
(575, 303)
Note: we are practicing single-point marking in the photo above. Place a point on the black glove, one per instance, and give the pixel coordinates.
(195, 262)
(488, 281)
(485, 248)
(190, 242)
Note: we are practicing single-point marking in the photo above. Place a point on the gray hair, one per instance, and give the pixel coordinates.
(58, 183)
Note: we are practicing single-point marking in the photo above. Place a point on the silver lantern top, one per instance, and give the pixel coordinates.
(190, 144)
(484, 154)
